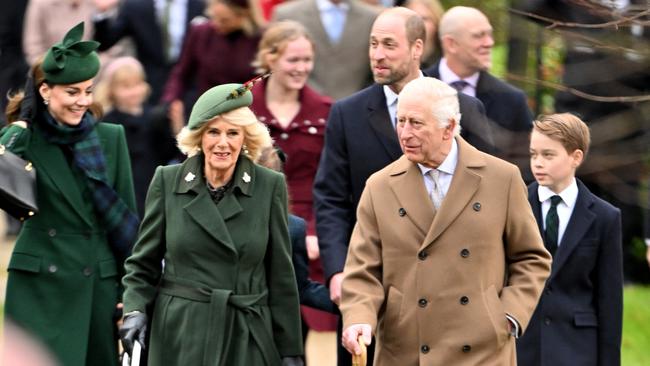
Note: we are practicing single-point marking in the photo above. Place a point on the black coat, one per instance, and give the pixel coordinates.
(578, 320)
(360, 140)
(137, 19)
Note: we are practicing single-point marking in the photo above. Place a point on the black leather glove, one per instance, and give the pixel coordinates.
(133, 328)
(28, 106)
(292, 361)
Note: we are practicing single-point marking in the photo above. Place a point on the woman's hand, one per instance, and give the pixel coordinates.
(133, 328)
(313, 252)
(176, 115)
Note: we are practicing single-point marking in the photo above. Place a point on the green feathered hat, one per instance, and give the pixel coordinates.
(221, 99)
(71, 60)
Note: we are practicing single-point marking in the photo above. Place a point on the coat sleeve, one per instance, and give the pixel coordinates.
(528, 262)
(15, 139)
(124, 178)
(610, 292)
(182, 73)
(110, 30)
(34, 45)
(144, 266)
(283, 293)
(362, 293)
(333, 204)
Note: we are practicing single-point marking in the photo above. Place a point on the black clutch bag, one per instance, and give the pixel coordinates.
(17, 185)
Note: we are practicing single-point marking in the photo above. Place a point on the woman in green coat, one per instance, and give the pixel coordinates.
(64, 272)
(226, 294)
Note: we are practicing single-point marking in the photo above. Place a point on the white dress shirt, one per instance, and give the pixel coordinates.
(333, 17)
(564, 209)
(445, 171)
(176, 24)
(391, 102)
(449, 77)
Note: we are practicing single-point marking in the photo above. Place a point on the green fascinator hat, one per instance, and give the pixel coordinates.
(71, 60)
(221, 99)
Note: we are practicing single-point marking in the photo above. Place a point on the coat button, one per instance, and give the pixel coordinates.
(422, 255)
(312, 130)
(476, 206)
(402, 212)
(425, 349)
(87, 271)
(467, 348)
(52, 268)
(284, 135)
(464, 300)
(51, 233)
(422, 302)
(464, 253)
(547, 321)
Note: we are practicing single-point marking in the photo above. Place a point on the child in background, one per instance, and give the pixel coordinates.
(122, 91)
(578, 320)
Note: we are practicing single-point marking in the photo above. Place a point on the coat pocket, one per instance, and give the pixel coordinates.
(585, 319)
(390, 327)
(107, 268)
(25, 262)
(497, 315)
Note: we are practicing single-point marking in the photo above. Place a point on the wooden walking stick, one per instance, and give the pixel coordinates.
(360, 360)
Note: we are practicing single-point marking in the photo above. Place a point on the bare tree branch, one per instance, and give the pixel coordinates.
(596, 98)
(622, 21)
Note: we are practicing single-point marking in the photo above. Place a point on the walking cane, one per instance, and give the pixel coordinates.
(360, 360)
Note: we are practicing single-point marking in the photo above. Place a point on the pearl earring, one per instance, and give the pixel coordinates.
(46, 101)
(245, 149)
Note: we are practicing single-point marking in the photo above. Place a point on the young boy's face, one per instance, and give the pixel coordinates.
(551, 164)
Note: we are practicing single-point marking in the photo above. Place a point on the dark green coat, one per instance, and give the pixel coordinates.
(63, 277)
(228, 292)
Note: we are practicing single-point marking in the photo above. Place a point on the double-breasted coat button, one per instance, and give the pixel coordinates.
(547, 321)
(402, 212)
(464, 300)
(307, 122)
(464, 253)
(476, 206)
(467, 348)
(312, 130)
(51, 232)
(422, 255)
(425, 349)
(87, 271)
(422, 303)
(52, 268)
(284, 135)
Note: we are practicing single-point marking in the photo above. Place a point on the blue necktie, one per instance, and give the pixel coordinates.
(551, 233)
(459, 85)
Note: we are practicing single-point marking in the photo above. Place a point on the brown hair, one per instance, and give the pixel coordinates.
(566, 128)
(252, 18)
(12, 111)
(275, 41)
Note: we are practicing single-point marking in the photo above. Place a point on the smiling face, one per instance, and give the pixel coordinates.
(471, 44)
(421, 138)
(221, 143)
(551, 164)
(67, 103)
(293, 66)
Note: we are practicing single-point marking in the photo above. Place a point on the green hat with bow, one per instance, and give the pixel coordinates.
(221, 99)
(71, 60)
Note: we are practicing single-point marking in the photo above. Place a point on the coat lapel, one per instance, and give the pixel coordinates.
(484, 90)
(51, 162)
(379, 120)
(463, 186)
(408, 186)
(581, 220)
(533, 199)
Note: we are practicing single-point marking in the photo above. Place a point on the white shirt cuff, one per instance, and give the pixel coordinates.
(647, 242)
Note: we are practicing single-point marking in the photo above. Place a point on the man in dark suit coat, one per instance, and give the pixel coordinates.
(466, 36)
(360, 139)
(139, 20)
(578, 320)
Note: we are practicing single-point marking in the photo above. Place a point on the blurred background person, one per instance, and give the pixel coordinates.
(216, 51)
(431, 11)
(340, 30)
(295, 115)
(227, 295)
(122, 91)
(157, 29)
(64, 272)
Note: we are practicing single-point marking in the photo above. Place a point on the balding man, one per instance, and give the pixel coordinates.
(466, 38)
(446, 263)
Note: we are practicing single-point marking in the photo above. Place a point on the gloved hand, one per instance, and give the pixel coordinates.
(292, 361)
(133, 328)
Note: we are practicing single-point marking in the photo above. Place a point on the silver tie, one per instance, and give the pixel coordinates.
(436, 191)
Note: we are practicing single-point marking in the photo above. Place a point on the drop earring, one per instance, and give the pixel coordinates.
(245, 149)
(46, 101)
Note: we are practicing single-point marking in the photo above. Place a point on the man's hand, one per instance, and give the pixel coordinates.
(313, 251)
(351, 334)
(335, 288)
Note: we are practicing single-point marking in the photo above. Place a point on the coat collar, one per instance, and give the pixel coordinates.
(379, 121)
(463, 186)
(191, 178)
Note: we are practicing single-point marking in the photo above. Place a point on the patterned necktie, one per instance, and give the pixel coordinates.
(436, 191)
(459, 85)
(551, 233)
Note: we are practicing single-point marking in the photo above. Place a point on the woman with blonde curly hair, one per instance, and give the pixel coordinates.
(227, 295)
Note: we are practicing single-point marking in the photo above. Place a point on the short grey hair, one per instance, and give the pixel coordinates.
(442, 98)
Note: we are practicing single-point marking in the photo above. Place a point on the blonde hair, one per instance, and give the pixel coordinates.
(275, 41)
(565, 128)
(256, 134)
(116, 71)
(442, 98)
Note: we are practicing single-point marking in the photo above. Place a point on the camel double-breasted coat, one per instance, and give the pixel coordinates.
(436, 287)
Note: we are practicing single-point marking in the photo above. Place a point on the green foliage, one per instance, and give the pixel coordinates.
(636, 333)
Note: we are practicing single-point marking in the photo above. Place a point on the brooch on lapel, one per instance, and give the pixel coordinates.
(189, 177)
(246, 178)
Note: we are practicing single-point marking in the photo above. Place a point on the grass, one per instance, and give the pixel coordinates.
(636, 326)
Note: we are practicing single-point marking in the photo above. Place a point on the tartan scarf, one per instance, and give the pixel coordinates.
(83, 143)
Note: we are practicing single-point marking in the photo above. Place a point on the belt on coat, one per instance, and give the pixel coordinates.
(221, 319)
